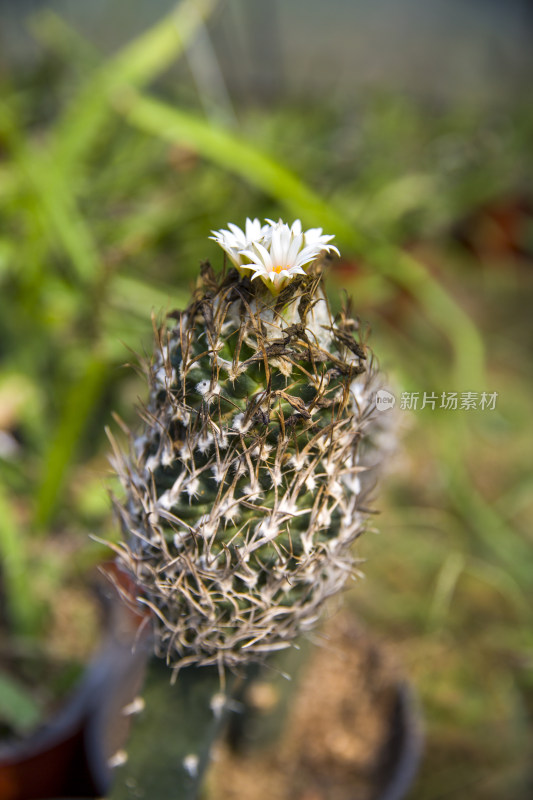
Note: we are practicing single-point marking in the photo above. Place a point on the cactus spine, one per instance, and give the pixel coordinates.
(243, 491)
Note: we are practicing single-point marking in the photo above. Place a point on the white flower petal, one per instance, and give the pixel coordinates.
(263, 255)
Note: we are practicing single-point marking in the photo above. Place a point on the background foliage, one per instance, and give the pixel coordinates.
(111, 179)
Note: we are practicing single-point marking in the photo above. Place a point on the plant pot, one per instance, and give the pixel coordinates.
(71, 755)
(401, 753)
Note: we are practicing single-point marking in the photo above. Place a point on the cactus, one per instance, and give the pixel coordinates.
(243, 490)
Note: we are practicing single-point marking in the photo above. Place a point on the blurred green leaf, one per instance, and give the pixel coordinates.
(449, 574)
(503, 582)
(69, 227)
(41, 175)
(22, 606)
(6, 255)
(79, 400)
(18, 709)
(140, 296)
(136, 64)
(56, 34)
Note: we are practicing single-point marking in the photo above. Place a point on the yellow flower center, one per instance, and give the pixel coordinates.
(277, 269)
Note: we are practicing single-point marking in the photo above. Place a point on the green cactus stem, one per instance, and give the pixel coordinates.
(245, 487)
(168, 750)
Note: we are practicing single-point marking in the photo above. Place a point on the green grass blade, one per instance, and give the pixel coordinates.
(135, 65)
(495, 536)
(498, 537)
(233, 153)
(445, 585)
(63, 219)
(22, 607)
(66, 222)
(502, 582)
(63, 40)
(80, 401)
(136, 295)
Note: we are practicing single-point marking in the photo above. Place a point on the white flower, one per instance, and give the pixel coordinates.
(235, 240)
(284, 252)
(276, 252)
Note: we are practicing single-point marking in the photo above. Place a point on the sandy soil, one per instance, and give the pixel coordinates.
(332, 733)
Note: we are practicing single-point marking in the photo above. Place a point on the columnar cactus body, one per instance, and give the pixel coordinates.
(243, 488)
